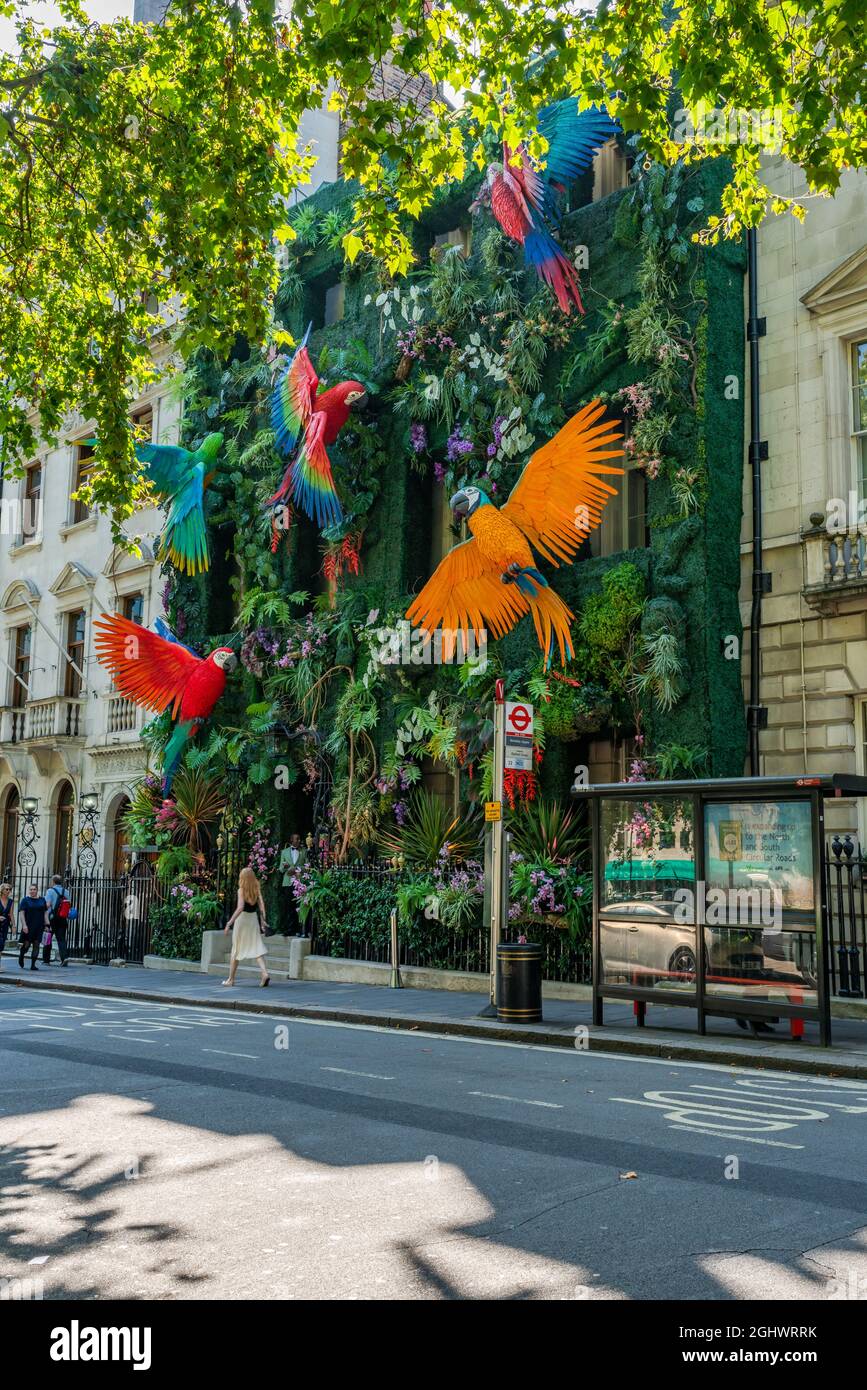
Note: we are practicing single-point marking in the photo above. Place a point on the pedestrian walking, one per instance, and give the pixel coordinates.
(32, 919)
(59, 907)
(6, 905)
(248, 927)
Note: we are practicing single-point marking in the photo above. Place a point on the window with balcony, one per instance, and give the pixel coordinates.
(21, 665)
(859, 411)
(75, 652)
(84, 464)
(31, 507)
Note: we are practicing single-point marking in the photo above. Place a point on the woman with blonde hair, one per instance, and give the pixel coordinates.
(249, 924)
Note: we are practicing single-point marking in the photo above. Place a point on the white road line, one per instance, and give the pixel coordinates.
(516, 1100)
(369, 1075)
(128, 1037)
(738, 1138)
(253, 1056)
(51, 1027)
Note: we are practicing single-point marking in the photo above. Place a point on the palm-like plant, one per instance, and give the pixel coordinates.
(199, 802)
(545, 830)
(430, 830)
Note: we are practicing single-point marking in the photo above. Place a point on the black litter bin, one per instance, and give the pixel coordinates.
(519, 982)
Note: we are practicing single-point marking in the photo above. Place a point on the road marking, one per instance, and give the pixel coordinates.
(127, 1037)
(748, 1105)
(741, 1138)
(253, 1056)
(516, 1100)
(370, 1075)
(50, 1027)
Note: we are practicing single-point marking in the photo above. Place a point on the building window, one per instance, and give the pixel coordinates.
(624, 518)
(10, 832)
(31, 511)
(859, 411)
(143, 424)
(75, 651)
(83, 469)
(461, 237)
(21, 666)
(63, 829)
(335, 303)
(132, 607)
(610, 170)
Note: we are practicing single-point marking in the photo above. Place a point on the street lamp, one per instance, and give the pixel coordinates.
(28, 834)
(87, 834)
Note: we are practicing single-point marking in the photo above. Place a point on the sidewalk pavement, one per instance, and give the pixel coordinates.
(669, 1032)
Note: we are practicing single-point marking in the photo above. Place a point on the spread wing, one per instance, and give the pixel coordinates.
(465, 593)
(574, 137)
(168, 466)
(145, 668)
(292, 399)
(559, 497)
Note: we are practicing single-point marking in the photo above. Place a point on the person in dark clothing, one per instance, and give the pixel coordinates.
(55, 896)
(34, 912)
(6, 907)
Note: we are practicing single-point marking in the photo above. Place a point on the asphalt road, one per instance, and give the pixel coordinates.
(151, 1151)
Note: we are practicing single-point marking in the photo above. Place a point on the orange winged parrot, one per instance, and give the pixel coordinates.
(492, 580)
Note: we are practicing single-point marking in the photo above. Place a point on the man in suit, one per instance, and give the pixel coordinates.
(292, 859)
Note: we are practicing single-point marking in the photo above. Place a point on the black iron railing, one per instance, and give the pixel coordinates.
(845, 867)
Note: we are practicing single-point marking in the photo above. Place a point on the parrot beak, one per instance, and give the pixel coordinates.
(230, 663)
(460, 505)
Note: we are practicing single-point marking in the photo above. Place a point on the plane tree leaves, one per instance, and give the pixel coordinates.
(145, 171)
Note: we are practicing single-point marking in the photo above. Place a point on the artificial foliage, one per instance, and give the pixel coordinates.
(338, 715)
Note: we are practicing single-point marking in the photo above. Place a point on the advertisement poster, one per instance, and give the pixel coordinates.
(762, 844)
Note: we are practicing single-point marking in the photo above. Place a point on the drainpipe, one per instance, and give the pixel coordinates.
(757, 714)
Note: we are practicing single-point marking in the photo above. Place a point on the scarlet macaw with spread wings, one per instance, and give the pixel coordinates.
(492, 580)
(159, 672)
(298, 413)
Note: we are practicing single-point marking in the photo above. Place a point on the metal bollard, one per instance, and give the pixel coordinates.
(396, 981)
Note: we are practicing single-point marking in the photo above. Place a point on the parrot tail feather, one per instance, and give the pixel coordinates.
(174, 751)
(552, 618)
(542, 252)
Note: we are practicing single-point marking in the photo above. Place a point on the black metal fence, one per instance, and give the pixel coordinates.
(434, 945)
(113, 915)
(845, 867)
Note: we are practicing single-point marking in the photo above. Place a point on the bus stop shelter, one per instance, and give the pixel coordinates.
(713, 894)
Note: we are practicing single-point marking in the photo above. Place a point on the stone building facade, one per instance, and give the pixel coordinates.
(65, 734)
(812, 281)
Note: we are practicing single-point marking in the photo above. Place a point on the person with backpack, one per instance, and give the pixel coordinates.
(58, 917)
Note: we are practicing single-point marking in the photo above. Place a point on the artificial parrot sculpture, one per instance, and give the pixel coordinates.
(524, 199)
(304, 424)
(159, 672)
(492, 580)
(180, 477)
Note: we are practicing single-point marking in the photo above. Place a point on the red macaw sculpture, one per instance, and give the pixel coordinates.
(298, 413)
(159, 673)
(524, 199)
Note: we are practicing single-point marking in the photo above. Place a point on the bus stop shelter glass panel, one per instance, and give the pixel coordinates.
(646, 914)
(759, 902)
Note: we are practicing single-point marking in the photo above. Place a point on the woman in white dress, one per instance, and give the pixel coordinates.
(249, 924)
